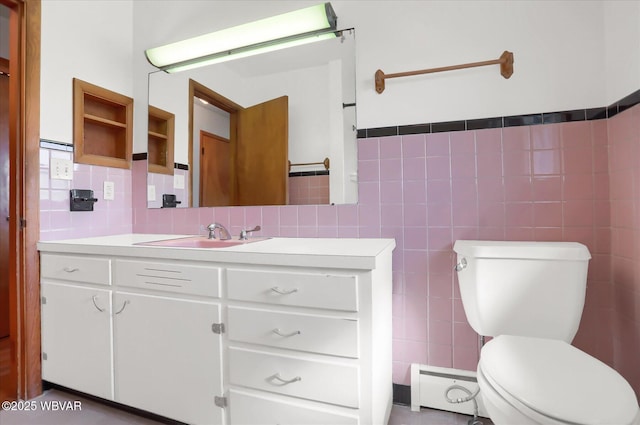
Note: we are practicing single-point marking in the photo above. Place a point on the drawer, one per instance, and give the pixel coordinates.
(250, 409)
(168, 276)
(329, 291)
(76, 268)
(328, 382)
(313, 333)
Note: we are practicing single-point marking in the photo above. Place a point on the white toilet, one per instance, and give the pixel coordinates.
(529, 296)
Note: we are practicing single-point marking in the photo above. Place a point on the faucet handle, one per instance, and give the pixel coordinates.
(243, 233)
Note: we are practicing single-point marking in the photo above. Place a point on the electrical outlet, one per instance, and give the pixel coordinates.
(109, 191)
(151, 193)
(61, 169)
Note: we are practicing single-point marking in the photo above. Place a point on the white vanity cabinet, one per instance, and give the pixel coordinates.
(167, 359)
(76, 338)
(76, 318)
(137, 341)
(281, 331)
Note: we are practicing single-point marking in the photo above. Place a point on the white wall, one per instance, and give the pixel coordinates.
(557, 45)
(622, 48)
(558, 48)
(89, 40)
(560, 57)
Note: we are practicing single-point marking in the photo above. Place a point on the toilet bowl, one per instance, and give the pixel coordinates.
(529, 296)
(525, 380)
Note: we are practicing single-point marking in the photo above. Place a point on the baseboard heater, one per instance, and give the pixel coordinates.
(429, 383)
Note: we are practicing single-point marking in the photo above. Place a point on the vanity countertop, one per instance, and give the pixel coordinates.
(353, 253)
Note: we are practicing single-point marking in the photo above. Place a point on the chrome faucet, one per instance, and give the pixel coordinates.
(224, 233)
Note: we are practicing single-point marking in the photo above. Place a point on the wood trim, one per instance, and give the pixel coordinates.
(24, 132)
(99, 144)
(221, 102)
(10, 3)
(167, 136)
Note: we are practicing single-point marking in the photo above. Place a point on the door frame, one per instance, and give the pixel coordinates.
(24, 207)
(205, 93)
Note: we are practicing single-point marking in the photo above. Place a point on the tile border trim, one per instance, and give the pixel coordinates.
(309, 173)
(589, 114)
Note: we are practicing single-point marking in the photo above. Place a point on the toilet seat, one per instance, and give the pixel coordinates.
(555, 380)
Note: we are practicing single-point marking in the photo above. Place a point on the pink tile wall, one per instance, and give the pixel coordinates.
(573, 181)
(108, 217)
(546, 182)
(309, 190)
(517, 183)
(164, 184)
(624, 180)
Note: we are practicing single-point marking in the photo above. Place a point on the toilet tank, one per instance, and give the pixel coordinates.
(523, 288)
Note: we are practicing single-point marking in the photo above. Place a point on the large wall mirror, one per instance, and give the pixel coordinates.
(290, 114)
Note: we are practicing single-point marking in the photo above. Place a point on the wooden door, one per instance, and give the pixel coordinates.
(261, 154)
(24, 379)
(215, 170)
(4, 198)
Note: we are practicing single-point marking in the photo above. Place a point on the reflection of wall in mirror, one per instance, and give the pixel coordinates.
(308, 89)
(166, 184)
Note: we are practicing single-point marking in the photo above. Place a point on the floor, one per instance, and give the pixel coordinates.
(90, 412)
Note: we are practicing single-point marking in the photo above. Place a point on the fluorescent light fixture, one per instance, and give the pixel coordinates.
(302, 26)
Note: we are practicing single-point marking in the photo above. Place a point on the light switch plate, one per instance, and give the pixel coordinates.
(61, 169)
(151, 193)
(109, 191)
(178, 181)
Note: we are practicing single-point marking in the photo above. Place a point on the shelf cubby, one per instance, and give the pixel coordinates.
(102, 126)
(160, 141)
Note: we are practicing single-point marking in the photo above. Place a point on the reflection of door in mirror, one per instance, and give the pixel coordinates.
(241, 154)
(262, 167)
(215, 170)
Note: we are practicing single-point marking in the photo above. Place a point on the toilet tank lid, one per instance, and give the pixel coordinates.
(522, 250)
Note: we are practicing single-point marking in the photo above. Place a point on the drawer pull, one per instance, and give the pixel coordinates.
(277, 290)
(123, 306)
(70, 269)
(95, 304)
(278, 332)
(282, 381)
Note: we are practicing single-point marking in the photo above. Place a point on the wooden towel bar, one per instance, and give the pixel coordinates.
(325, 163)
(505, 61)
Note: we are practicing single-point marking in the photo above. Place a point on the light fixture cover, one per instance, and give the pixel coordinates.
(293, 28)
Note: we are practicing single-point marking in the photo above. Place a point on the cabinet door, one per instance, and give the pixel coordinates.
(76, 338)
(167, 359)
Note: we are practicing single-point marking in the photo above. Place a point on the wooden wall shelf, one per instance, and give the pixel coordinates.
(160, 145)
(102, 126)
